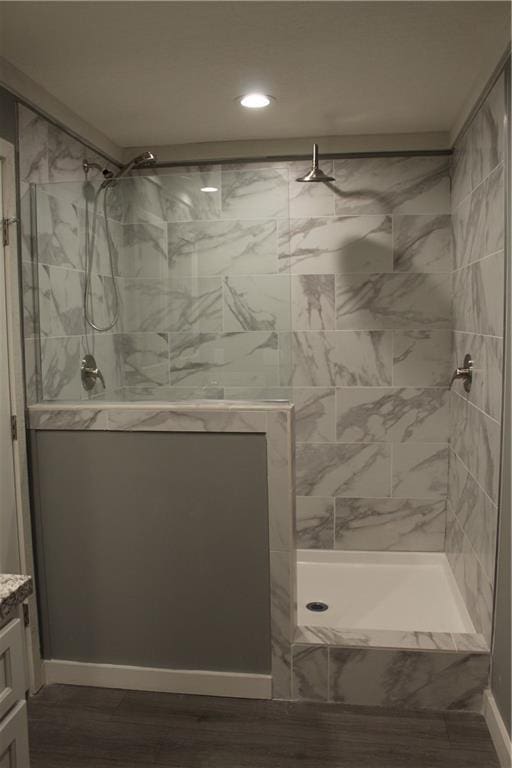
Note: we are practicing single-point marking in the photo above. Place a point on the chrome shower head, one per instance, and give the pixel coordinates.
(316, 173)
(145, 158)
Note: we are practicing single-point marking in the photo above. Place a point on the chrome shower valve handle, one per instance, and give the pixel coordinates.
(465, 373)
(90, 373)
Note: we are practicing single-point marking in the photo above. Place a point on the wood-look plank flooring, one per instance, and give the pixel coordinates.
(76, 727)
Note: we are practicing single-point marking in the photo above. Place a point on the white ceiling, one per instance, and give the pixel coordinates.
(163, 73)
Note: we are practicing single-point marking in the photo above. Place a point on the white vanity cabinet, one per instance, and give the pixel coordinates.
(14, 752)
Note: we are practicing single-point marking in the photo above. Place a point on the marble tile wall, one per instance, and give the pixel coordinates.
(335, 296)
(52, 263)
(478, 214)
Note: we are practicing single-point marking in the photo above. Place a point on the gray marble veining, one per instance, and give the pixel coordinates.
(337, 244)
(238, 246)
(392, 185)
(313, 302)
(390, 524)
(255, 303)
(314, 522)
(314, 414)
(310, 673)
(343, 470)
(487, 356)
(420, 470)
(422, 358)
(478, 296)
(381, 638)
(476, 513)
(422, 243)
(393, 301)
(255, 194)
(342, 358)
(436, 680)
(372, 414)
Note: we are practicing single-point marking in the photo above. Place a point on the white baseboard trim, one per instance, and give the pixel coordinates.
(497, 729)
(233, 684)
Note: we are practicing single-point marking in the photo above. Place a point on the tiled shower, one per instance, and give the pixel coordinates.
(355, 300)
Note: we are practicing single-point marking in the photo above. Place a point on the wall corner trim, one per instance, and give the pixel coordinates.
(497, 729)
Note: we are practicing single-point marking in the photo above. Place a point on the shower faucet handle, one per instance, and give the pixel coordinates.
(90, 373)
(465, 372)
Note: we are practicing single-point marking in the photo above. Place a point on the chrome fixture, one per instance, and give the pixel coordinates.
(465, 373)
(90, 373)
(316, 173)
(144, 159)
(110, 180)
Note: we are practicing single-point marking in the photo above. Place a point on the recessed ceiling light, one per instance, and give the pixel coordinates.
(255, 100)
(209, 189)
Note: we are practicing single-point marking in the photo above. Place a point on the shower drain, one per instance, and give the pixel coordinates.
(317, 606)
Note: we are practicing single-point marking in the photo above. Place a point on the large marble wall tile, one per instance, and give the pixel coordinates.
(232, 359)
(142, 305)
(33, 382)
(144, 252)
(478, 296)
(222, 247)
(60, 301)
(280, 480)
(313, 302)
(29, 287)
(99, 256)
(281, 606)
(310, 673)
(422, 243)
(142, 198)
(315, 522)
(476, 589)
(390, 524)
(183, 199)
(388, 414)
(494, 211)
(258, 393)
(310, 199)
(337, 244)
(65, 156)
(144, 358)
(33, 146)
(476, 513)
(475, 438)
(468, 221)
(192, 304)
(487, 355)
(381, 638)
(353, 470)
(461, 170)
(314, 415)
(422, 358)
(393, 301)
(437, 680)
(489, 133)
(342, 358)
(256, 303)
(60, 368)
(420, 470)
(57, 232)
(255, 194)
(392, 185)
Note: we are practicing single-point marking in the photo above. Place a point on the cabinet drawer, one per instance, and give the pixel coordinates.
(12, 671)
(14, 738)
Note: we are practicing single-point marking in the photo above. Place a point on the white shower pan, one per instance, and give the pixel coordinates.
(408, 591)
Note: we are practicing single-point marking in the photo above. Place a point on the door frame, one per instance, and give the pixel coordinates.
(18, 406)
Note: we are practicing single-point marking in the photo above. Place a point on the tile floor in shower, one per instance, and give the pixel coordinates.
(407, 591)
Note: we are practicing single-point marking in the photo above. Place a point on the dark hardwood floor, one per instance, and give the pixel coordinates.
(74, 727)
